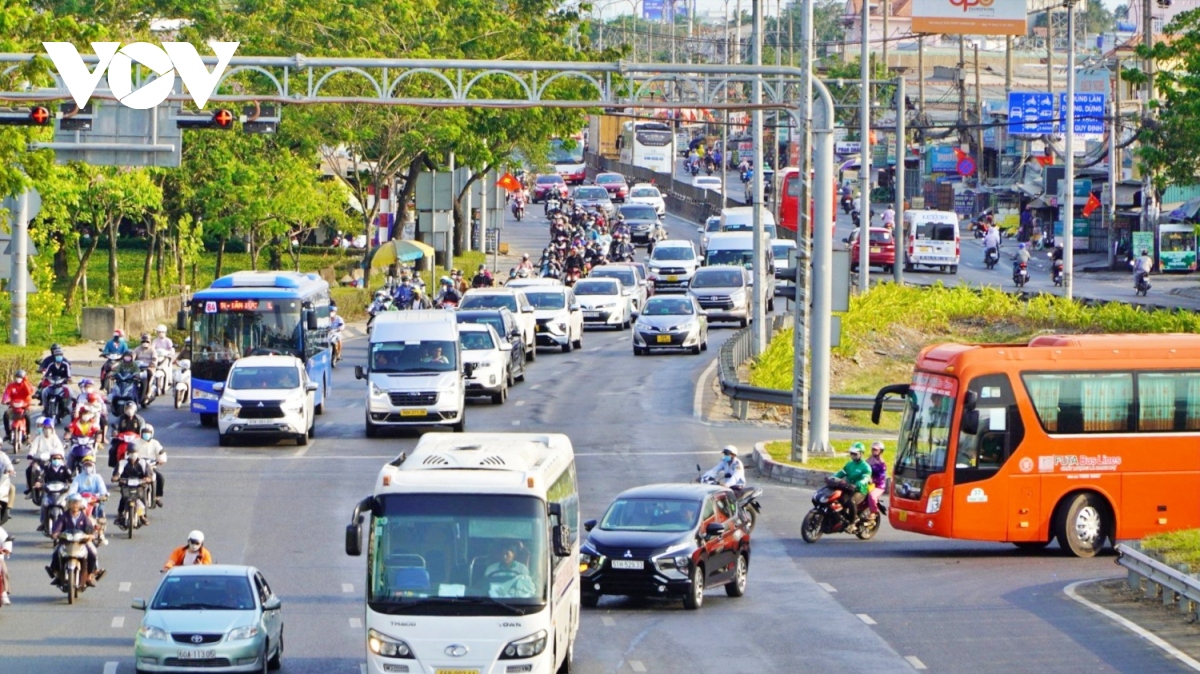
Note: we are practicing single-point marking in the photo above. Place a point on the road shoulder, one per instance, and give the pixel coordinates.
(1164, 627)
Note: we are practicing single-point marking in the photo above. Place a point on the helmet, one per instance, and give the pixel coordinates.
(118, 333)
(147, 428)
(856, 448)
(93, 397)
(446, 280)
(56, 452)
(878, 444)
(55, 350)
(730, 450)
(525, 256)
(1145, 253)
(90, 457)
(84, 383)
(47, 422)
(145, 338)
(161, 329)
(130, 406)
(76, 498)
(1020, 246)
(20, 374)
(197, 537)
(332, 310)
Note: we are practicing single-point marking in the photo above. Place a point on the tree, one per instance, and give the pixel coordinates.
(1096, 18)
(1169, 143)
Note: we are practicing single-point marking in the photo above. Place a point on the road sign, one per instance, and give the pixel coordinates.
(1030, 113)
(1089, 114)
(11, 203)
(966, 167)
(119, 136)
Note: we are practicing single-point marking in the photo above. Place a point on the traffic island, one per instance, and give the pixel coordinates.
(1146, 617)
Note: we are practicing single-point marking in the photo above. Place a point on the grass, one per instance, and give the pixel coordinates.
(1176, 547)
(781, 451)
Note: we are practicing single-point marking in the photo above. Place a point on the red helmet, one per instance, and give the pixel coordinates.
(93, 397)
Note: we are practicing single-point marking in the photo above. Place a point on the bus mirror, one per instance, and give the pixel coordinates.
(894, 389)
(970, 422)
(358, 372)
(354, 539)
(181, 319)
(970, 400)
(312, 320)
(562, 536)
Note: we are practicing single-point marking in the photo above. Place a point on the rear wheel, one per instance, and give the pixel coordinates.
(810, 529)
(208, 420)
(694, 599)
(1082, 525)
(868, 529)
(276, 660)
(953, 269)
(589, 600)
(737, 586)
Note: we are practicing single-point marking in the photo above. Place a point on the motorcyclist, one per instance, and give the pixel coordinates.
(1142, 265)
(134, 466)
(42, 445)
(86, 426)
(163, 344)
(448, 292)
(54, 366)
(55, 471)
(129, 367)
(94, 402)
(730, 471)
(380, 303)
(483, 278)
(525, 263)
(18, 391)
(144, 353)
(75, 519)
(404, 294)
(991, 240)
(575, 259)
(152, 451)
(1057, 255)
(858, 473)
(191, 553)
(129, 421)
(5, 551)
(117, 345)
(878, 478)
(88, 481)
(1021, 257)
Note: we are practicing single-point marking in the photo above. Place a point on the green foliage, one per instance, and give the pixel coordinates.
(1176, 547)
(1170, 144)
(781, 451)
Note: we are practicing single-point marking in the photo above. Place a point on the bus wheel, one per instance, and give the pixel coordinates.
(1031, 546)
(1082, 525)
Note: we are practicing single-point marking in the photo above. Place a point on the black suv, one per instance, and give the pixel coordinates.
(667, 539)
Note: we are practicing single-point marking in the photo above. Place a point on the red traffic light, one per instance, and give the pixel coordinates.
(39, 115)
(223, 119)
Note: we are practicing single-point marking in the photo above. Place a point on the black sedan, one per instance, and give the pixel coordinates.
(644, 225)
(506, 327)
(667, 539)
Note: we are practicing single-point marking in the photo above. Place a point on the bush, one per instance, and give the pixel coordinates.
(1177, 547)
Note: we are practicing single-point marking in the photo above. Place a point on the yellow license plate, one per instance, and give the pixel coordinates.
(672, 279)
(876, 249)
(412, 413)
(664, 339)
(902, 515)
(537, 328)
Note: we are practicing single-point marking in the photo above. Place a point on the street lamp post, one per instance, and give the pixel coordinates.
(1069, 169)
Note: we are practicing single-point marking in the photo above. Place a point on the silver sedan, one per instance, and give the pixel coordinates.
(670, 322)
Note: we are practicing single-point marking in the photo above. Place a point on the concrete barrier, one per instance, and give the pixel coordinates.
(782, 472)
(98, 323)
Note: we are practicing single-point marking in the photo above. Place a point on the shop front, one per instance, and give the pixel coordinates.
(1177, 247)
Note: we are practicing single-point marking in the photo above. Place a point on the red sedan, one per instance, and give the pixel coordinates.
(547, 185)
(615, 183)
(882, 252)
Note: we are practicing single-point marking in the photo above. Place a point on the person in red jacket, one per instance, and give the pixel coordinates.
(20, 390)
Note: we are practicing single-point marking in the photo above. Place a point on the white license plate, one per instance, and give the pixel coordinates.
(197, 654)
(260, 422)
(591, 314)
(628, 564)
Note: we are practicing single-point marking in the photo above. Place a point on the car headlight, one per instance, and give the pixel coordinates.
(529, 647)
(376, 391)
(590, 560)
(387, 646)
(230, 409)
(935, 502)
(243, 633)
(738, 297)
(562, 327)
(690, 325)
(198, 394)
(293, 405)
(153, 633)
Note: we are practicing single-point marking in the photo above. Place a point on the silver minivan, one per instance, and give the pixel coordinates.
(723, 292)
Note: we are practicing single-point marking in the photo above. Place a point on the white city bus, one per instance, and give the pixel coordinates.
(649, 145)
(472, 556)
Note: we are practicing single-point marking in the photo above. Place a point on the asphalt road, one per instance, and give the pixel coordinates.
(948, 606)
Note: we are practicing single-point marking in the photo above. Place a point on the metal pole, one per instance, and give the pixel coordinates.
(979, 121)
(1050, 48)
(802, 336)
(759, 326)
(822, 271)
(725, 128)
(1069, 149)
(1114, 173)
(1147, 222)
(901, 156)
(1008, 66)
(20, 268)
(864, 162)
(886, 10)
(921, 75)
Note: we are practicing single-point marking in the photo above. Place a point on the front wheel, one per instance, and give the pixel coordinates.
(179, 395)
(737, 586)
(1083, 525)
(72, 583)
(810, 529)
(694, 599)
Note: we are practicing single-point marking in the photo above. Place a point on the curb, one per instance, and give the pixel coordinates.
(782, 472)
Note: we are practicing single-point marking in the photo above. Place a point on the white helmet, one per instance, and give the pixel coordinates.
(729, 449)
(197, 537)
(161, 329)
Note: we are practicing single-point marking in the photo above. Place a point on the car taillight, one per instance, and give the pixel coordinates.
(956, 247)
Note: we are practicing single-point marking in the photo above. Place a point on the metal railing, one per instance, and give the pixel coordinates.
(1159, 581)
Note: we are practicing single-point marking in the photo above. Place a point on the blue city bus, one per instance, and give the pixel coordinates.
(251, 313)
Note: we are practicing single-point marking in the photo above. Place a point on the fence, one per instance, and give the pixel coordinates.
(1175, 587)
(686, 201)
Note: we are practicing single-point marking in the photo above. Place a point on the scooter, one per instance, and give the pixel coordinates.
(1021, 274)
(831, 513)
(991, 257)
(54, 504)
(518, 211)
(160, 378)
(1141, 285)
(54, 393)
(125, 389)
(81, 446)
(747, 497)
(183, 382)
(110, 361)
(1057, 270)
(335, 347)
(8, 496)
(847, 204)
(571, 277)
(72, 561)
(19, 426)
(133, 495)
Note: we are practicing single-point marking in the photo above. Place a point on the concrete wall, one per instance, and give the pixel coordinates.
(99, 322)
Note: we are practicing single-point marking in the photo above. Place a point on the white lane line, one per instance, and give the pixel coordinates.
(535, 387)
(827, 587)
(915, 662)
(608, 621)
(516, 422)
(637, 666)
(356, 623)
(362, 668)
(177, 424)
(520, 403)
(118, 621)
(347, 588)
(698, 396)
(866, 618)
(124, 587)
(1132, 627)
(110, 667)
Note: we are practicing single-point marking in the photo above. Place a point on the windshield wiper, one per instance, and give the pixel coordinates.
(491, 600)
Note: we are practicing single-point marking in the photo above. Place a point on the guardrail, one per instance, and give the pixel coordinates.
(1159, 581)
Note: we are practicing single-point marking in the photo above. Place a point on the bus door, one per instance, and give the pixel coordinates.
(988, 501)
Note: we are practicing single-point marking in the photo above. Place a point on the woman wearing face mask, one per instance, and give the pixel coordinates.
(89, 482)
(42, 445)
(193, 552)
(152, 450)
(56, 471)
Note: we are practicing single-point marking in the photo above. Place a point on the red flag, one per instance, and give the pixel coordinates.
(1092, 204)
(959, 154)
(1046, 160)
(508, 182)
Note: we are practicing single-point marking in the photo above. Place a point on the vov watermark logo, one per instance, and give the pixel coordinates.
(173, 58)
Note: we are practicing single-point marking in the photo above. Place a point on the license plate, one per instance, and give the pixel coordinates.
(664, 339)
(591, 314)
(902, 515)
(628, 564)
(922, 249)
(537, 328)
(456, 671)
(196, 654)
(412, 413)
(876, 249)
(673, 279)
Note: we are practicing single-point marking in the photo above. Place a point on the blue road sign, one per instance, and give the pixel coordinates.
(1089, 114)
(1030, 113)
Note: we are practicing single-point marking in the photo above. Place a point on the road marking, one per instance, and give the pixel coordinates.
(1132, 627)
(177, 424)
(362, 668)
(520, 403)
(110, 667)
(637, 666)
(356, 623)
(535, 387)
(698, 396)
(827, 587)
(866, 618)
(118, 621)
(347, 588)
(516, 422)
(124, 587)
(915, 662)
(608, 621)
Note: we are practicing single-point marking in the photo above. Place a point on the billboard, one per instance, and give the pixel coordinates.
(969, 17)
(663, 10)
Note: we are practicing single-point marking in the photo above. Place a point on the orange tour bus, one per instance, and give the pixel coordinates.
(1078, 438)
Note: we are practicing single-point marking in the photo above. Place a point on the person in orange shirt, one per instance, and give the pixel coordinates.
(192, 553)
(19, 390)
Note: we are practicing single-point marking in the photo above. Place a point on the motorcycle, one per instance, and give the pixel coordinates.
(159, 380)
(5, 550)
(1057, 270)
(55, 395)
(36, 492)
(1021, 274)
(110, 361)
(377, 307)
(572, 276)
(81, 446)
(831, 513)
(552, 205)
(183, 382)
(19, 426)
(133, 496)
(8, 495)
(54, 504)
(518, 210)
(126, 388)
(747, 497)
(1141, 285)
(335, 347)
(72, 560)
(100, 522)
(991, 257)
(847, 204)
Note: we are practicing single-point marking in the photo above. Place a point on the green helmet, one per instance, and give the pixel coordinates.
(857, 448)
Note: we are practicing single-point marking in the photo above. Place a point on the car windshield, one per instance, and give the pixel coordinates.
(476, 340)
(673, 253)
(780, 252)
(651, 514)
(713, 225)
(925, 430)
(547, 180)
(458, 554)
(645, 192)
(663, 306)
(591, 193)
(639, 212)
(413, 357)
(242, 378)
(607, 179)
(624, 276)
(480, 301)
(546, 300)
(496, 322)
(185, 592)
(596, 288)
(717, 279)
(733, 256)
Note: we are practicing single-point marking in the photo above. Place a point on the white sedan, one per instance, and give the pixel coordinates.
(707, 183)
(645, 193)
(490, 355)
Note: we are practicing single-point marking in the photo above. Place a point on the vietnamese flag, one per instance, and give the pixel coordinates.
(508, 182)
(959, 154)
(1092, 204)
(1046, 160)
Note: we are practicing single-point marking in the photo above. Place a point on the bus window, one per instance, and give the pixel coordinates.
(925, 431)
(1079, 402)
(1168, 401)
(1000, 431)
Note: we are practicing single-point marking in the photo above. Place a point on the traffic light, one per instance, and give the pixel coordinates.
(217, 119)
(38, 115)
(259, 119)
(74, 119)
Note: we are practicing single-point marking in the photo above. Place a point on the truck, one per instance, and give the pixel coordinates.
(603, 133)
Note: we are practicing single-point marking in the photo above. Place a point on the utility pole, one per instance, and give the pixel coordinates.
(804, 330)
(979, 125)
(1069, 138)
(758, 329)
(921, 74)
(1114, 167)
(1008, 65)
(886, 10)
(864, 161)
(725, 126)
(737, 35)
(962, 81)
(901, 155)
(20, 269)
(1050, 49)
(1148, 67)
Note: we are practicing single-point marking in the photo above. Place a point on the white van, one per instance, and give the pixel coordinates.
(737, 248)
(415, 371)
(932, 240)
(741, 219)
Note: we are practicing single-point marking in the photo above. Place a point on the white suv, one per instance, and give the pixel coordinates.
(558, 315)
(266, 395)
(672, 264)
(515, 301)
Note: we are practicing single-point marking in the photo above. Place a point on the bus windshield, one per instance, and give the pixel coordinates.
(563, 155)
(458, 555)
(925, 431)
(226, 330)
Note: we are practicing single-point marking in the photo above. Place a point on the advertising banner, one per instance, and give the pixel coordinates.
(969, 17)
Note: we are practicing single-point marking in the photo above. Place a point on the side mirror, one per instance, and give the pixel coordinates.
(358, 372)
(894, 389)
(354, 529)
(970, 422)
(714, 530)
(574, 307)
(181, 319)
(468, 369)
(311, 387)
(272, 604)
(218, 387)
(561, 540)
(589, 525)
(970, 400)
(846, 239)
(312, 320)
(506, 346)
(527, 309)
(139, 604)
